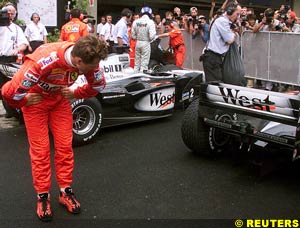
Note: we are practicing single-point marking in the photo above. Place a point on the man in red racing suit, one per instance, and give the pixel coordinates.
(41, 89)
(176, 42)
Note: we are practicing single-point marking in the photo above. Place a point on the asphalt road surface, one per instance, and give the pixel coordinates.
(143, 174)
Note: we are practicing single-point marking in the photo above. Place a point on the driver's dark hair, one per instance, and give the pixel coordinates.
(75, 13)
(126, 12)
(89, 48)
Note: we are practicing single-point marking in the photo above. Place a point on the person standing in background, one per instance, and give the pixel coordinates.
(143, 31)
(100, 25)
(221, 36)
(75, 28)
(12, 45)
(12, 38)
(176, 42)
(35, 33)
(132, 42)
(107, 32)
(121, 28)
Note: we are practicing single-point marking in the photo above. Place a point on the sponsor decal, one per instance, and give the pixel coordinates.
(48, 87)
(98, 75)
(27, 83)
(56, 77)
(18, 97)
(159, 100)
(73, 76)
(48, 60)
(234, 96)
(56, 74)
(114, 76)
(123, 59)
(187, 95)
(112, 68)
(32, 76)
(114, 96)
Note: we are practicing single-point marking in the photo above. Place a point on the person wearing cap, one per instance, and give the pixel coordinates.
(143, 31)
(201, 28)
(176, 42)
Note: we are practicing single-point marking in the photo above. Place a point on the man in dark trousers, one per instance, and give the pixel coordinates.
(221, 36)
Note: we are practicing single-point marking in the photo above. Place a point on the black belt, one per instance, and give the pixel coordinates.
(218, 54)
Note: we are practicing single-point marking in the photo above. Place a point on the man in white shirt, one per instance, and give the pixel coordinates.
(12, 38)
(12, 43)
(35, 33)
(100, 25)
(107, 31)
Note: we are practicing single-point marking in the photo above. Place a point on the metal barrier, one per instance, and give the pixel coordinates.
(272, 56)
(193, 48)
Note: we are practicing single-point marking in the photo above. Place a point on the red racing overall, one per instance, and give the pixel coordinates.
(177, 43)
(46, 72)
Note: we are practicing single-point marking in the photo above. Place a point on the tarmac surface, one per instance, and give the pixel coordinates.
(142, 175)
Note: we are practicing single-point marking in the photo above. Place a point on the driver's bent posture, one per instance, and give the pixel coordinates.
(41, 89)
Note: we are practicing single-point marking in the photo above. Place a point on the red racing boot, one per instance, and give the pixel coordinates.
(43, 207)
(67, 199)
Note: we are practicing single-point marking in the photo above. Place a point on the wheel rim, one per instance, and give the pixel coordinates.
(84, 119)
(156, 68)
(218, 137)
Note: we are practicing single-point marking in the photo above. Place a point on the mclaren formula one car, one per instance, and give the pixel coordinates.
(228, 117)
(128, 97)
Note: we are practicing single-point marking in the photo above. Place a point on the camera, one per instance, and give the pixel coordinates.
(244, 20)
(192, 19)
(283, 16)
(177, 17)
(4, 18)
(91, 21)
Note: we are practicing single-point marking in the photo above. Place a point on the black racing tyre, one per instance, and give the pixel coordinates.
(154, 65)
(193, 132)
(87, 119)
(200, 138)
(218, 140)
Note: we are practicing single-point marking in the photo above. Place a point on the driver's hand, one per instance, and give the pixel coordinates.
(67, 92)
(33, 98)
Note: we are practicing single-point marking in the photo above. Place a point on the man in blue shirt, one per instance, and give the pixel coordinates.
(221, 36)
(202, 28)
(121, 29)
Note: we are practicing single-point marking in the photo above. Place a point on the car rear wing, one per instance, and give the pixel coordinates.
(268, 105)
